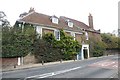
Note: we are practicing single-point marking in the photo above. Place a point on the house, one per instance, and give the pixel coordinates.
(52, 24)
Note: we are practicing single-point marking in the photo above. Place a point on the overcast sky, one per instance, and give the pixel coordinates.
(105, 12)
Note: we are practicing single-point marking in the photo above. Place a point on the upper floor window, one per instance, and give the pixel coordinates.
(39, 31)
(86, 34)
(73, 35)
(57, 34)
(54, 19)
(70, 24)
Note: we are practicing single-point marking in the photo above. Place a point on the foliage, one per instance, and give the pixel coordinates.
(15, 43)
(49, 49)
(3, 20)
(68, 46)
(97, 48)
(44, 50)
(110, 40)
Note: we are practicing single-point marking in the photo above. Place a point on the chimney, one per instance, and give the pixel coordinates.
(31, 10)
(90, 20)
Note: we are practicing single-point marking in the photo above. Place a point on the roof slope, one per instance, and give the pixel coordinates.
(42, 19)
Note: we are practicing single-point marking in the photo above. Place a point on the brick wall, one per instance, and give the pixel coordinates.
(8, 62)
(29, 59)
(111, 52)
(78, 38)
(45, 31)
(11, 62)
(68, 33)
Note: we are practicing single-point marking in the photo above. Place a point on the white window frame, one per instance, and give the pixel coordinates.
(87, 36)
(73, 35)
(39, 31)
(70, 24)
(54, 20)
(57, 34)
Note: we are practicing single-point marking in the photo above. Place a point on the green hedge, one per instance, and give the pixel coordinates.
(49, 49)
(15, 42)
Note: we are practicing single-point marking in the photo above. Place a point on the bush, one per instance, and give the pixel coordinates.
(44, 49)
(49, 49)
(99, 49)
(16, 43)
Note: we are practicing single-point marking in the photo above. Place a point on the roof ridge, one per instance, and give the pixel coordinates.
(28, 14)
(72, 19)
(42, 14)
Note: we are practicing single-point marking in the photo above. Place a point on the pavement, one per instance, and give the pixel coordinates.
(27, 66)
(32, 66)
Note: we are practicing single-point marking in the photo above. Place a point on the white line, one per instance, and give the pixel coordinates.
(53, 73)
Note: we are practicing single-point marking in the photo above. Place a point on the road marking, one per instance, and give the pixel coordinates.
(106, 64)
(53, 73)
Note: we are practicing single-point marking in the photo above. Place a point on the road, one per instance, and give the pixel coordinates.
(103, 67)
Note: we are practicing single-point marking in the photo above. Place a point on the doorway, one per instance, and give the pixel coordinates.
(85, 52)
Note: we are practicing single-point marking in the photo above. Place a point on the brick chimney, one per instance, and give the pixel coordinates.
(31, 10)
(90, 20)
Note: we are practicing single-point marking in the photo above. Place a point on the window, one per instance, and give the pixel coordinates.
(54, 19)
(86, 34)
(57, 34)
(19, 25)
(70, 24)
(73, 35)
(39, 31)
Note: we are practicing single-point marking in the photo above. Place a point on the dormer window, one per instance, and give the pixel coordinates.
(54, 19)
(70, 24)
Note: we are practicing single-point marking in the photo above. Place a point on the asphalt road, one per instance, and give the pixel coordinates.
(103, 67)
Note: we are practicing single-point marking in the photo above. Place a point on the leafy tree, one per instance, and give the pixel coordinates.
(49, 49)
(97, 48)
(3, 20)
(44, 49)
(68, 47)
(15, 43)
(110, 40)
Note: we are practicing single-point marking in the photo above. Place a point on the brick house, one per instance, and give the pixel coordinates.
(52, 24)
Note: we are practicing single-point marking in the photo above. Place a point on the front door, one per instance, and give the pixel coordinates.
(85, 52)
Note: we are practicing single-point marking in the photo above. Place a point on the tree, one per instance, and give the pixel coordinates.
(49, 49)
(44, 49)
(97, 47)
(15, 43)
(68, 47)
(3, 20)
(110, 40)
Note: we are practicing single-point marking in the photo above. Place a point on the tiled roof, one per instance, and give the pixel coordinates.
(42, 19)
(76, 23)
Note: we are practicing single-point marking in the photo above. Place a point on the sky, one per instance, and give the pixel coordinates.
(104, 12)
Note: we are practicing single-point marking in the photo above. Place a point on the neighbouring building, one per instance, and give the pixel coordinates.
(53, 24)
